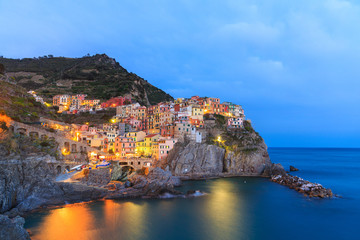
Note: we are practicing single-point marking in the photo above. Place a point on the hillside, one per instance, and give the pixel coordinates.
(97, 76)
(16, 103)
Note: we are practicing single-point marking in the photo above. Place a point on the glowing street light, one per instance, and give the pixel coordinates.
(65, 152)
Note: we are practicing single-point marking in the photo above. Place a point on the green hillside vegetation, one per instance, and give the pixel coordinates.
(16, 103)
(97, 76)
(245, 140)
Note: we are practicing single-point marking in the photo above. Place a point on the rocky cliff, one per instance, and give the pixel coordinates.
(225, 153)
(98, 76)
(27, 182)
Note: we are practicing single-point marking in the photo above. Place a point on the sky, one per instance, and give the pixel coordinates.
(292, 65)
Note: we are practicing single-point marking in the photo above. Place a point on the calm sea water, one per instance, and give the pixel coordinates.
(234, 208)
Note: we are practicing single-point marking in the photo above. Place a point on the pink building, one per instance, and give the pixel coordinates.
(84, 128)
(136, 124)
(165, 145)
(124, 146)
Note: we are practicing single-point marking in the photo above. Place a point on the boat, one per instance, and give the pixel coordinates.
(104, 164)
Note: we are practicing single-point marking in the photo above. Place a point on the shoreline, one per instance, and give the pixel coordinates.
(322, 192)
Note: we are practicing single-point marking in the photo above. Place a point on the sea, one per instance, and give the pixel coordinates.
(231, 208)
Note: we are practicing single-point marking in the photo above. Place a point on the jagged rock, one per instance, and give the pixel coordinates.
(293, 169)
(249, 163)
(23, 181)
(241, 152)
(117, 173)
(302, 186)
(73, 192)
(196, 159)
(156, 183)
(120, 173)
(202, 160)
(11, 229)
(274, 169)
(97, 177)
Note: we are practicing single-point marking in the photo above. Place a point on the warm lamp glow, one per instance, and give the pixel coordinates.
(65, 152)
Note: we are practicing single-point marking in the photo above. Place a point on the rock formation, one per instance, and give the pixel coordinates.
(12, 228)
(303, 186)
(293, 169)
(238, 153)
(157, 182)
(196, 159)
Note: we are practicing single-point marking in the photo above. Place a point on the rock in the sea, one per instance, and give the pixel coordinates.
(302, 186)
(274, 170)
(11, 229)
(293, 169)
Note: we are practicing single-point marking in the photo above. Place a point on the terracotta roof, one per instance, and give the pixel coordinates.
(151, 135)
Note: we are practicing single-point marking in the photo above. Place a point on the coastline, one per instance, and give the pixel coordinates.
(129, 194)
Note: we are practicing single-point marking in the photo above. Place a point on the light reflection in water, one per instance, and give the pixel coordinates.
(80, 221)
(71, 222)
(224, 211)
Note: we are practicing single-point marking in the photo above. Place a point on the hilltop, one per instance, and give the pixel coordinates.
(98, 76)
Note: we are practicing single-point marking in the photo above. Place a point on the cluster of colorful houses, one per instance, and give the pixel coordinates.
(140, 131)
(73, 104)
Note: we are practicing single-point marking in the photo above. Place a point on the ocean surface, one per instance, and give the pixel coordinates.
(233, 208)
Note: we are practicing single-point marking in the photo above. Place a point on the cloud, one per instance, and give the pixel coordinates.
(270, 65)
(257, 32)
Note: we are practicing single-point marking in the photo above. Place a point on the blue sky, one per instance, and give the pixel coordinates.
(292, 65)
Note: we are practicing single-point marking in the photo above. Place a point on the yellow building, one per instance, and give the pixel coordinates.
(197, 112)
(136, 135)
(145, 147)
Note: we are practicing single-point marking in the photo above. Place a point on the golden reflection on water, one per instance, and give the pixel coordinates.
(223, 211)
(71, 222)
(78, 221)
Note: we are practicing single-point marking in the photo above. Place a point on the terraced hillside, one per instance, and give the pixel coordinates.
(16, 103)
(98, 76)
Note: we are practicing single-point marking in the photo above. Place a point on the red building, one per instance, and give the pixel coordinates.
(116, 101)
(167, 130)
(177, 107)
